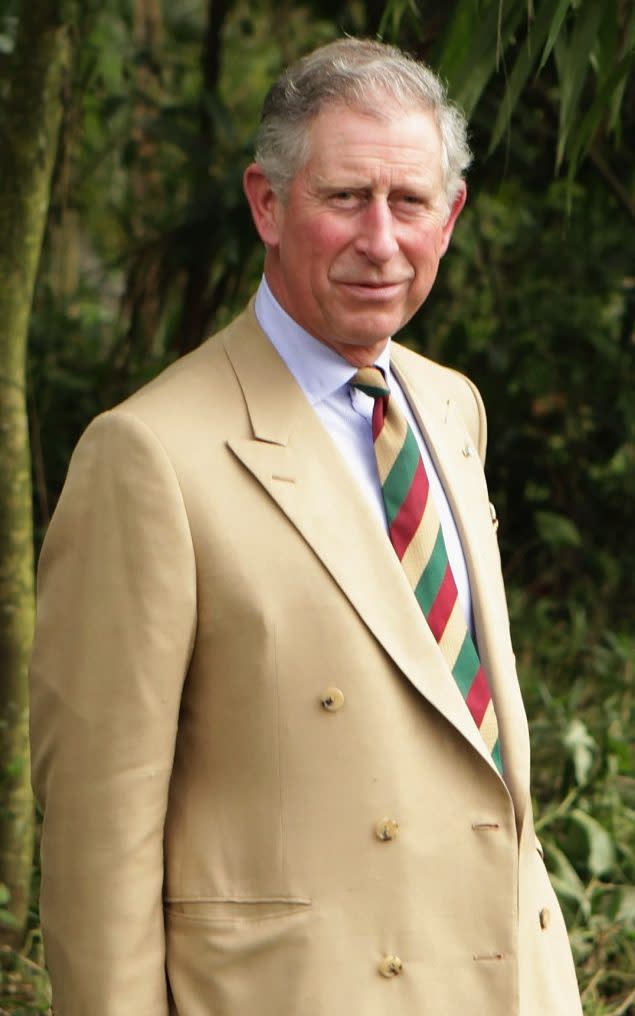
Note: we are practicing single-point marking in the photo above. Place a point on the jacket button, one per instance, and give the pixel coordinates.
(390, 966)
(333, 699)
(545, 918)
(386, 829)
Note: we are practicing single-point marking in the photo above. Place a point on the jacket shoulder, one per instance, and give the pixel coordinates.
(203, 372)
(200, 385)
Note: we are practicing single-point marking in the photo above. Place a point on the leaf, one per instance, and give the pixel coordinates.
(7, 920)
(601, 856)
(558, 17)
(628, 49)
(581, 748)
(574, 68)
(626, 908)
(522, 69)
(393, 16)
(557, 530)
(612, 87)
(472, 31)
(564, 877)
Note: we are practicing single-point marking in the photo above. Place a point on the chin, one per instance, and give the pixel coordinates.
(380, 332)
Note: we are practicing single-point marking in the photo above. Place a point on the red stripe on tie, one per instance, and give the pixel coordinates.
(406, 521)
(478, 697)
(441, 609)
(379, 413)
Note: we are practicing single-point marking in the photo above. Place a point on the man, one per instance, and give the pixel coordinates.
(270, 785)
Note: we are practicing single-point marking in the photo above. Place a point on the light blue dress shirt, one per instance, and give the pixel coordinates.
(324, 377)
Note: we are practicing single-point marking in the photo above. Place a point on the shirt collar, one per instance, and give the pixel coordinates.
(317, 368)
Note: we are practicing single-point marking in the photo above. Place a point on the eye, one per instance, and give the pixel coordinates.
(345, 199)
(410, 205)
(412, 200)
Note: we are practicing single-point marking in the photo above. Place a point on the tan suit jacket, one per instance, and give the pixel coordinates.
(233, 689)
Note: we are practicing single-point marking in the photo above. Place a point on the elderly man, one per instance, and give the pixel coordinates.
(277, 732)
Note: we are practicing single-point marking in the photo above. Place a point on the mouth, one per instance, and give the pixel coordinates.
(379, 291)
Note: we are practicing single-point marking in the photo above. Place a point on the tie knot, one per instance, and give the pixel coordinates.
(371, 381)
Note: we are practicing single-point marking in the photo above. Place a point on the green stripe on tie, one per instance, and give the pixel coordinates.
(430, 581)
(400, 477)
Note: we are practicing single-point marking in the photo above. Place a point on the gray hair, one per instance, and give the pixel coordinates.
(360, 73)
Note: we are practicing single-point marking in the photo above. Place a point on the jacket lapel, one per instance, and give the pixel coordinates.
(295, 460)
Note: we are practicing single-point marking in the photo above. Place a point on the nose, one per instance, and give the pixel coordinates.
(376, 238)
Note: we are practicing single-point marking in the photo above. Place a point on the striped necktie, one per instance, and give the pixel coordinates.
(416, 534)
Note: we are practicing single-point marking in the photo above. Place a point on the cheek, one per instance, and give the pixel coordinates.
(327, 239)
(310, 244)
(424, 253)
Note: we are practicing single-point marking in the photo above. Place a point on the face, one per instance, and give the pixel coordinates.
(353, 250)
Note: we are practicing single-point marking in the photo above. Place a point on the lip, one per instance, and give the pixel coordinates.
(378, 291)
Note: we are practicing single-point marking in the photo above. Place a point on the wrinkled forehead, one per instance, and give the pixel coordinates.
(378, 108)
(338, 123)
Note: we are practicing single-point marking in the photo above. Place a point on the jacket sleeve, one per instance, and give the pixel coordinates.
(115, 628)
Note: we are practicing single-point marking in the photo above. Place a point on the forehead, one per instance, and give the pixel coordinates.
(398, 143)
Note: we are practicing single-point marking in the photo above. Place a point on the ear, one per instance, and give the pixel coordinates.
(265, 205)
(455, 211)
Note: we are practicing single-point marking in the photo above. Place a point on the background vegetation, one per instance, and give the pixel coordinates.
(136, 117)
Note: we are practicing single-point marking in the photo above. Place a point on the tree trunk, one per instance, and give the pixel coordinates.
(28, 148)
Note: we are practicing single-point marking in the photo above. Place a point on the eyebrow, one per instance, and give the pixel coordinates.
(324, 185)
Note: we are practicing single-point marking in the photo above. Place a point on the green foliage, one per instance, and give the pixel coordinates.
(24, 985)
(579, 690)
(7, 920)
